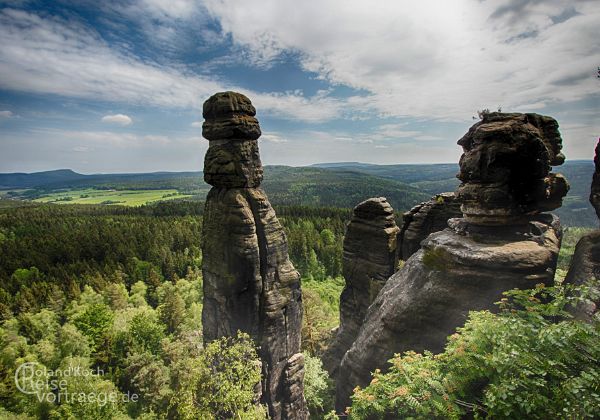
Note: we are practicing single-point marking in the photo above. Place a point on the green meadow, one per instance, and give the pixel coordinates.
(108, 197)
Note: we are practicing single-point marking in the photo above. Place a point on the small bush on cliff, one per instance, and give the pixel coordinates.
(531, 360)
(318, 388)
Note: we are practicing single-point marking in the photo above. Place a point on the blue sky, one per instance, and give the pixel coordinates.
(118, 86)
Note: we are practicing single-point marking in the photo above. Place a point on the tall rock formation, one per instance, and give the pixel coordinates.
(585, 264)
(502, 242)
(369, 260)
(426, 218)
(595, 192)
(249, 282)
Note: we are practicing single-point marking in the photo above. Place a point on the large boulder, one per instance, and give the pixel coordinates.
(369, 259)
(250, 284)
(426, 218)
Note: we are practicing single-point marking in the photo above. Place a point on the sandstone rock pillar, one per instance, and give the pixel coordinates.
(585, 264)
(369, 259)
(250, 284)
(503, 241)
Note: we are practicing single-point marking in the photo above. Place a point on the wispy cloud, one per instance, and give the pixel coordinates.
(441, 60)
(119, 119)
(273, 138)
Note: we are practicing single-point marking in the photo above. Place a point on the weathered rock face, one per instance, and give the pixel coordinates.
(424, 219)
(585, 266)
(249, 282)
(595, 194)
(452, 274)
(502, 242)
(369, 260)
(505, 168)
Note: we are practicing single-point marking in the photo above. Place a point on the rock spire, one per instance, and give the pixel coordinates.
(249, 282)
(369, 259)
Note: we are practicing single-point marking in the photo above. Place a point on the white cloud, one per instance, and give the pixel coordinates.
(433, 59)
(6, 114)
(119, 119)
(196, 124)
(55, 56)
(273, 138)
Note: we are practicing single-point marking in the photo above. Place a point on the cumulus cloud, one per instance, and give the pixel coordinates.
(44, 54)
(433, 59)
(119, 119)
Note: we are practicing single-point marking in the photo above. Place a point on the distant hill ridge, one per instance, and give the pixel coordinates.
(338, 184)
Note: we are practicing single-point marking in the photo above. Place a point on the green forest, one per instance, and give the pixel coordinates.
(117, 292)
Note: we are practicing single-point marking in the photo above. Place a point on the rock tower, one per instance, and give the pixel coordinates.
(250, 284)
(369, 259)
(595, 190)
(585, 264)
(503, 241)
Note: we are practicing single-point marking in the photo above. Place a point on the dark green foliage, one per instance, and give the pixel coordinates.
(48, 250)
(531, 360)
(317, 187)
(321, 300)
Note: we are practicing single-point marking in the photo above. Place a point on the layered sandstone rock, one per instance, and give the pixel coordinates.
(502, 242)
(585, 264)
(426, 218)
(505, 169)
(595, 193)
(369, 260)
(249, 282)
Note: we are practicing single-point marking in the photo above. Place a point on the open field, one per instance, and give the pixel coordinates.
(121, 197)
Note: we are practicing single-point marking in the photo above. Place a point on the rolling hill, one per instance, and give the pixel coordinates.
(342, 184)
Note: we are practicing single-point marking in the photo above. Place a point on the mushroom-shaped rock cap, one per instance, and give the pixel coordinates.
(225, 104)
(229, 116)
(373, 208)
(505, 168)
